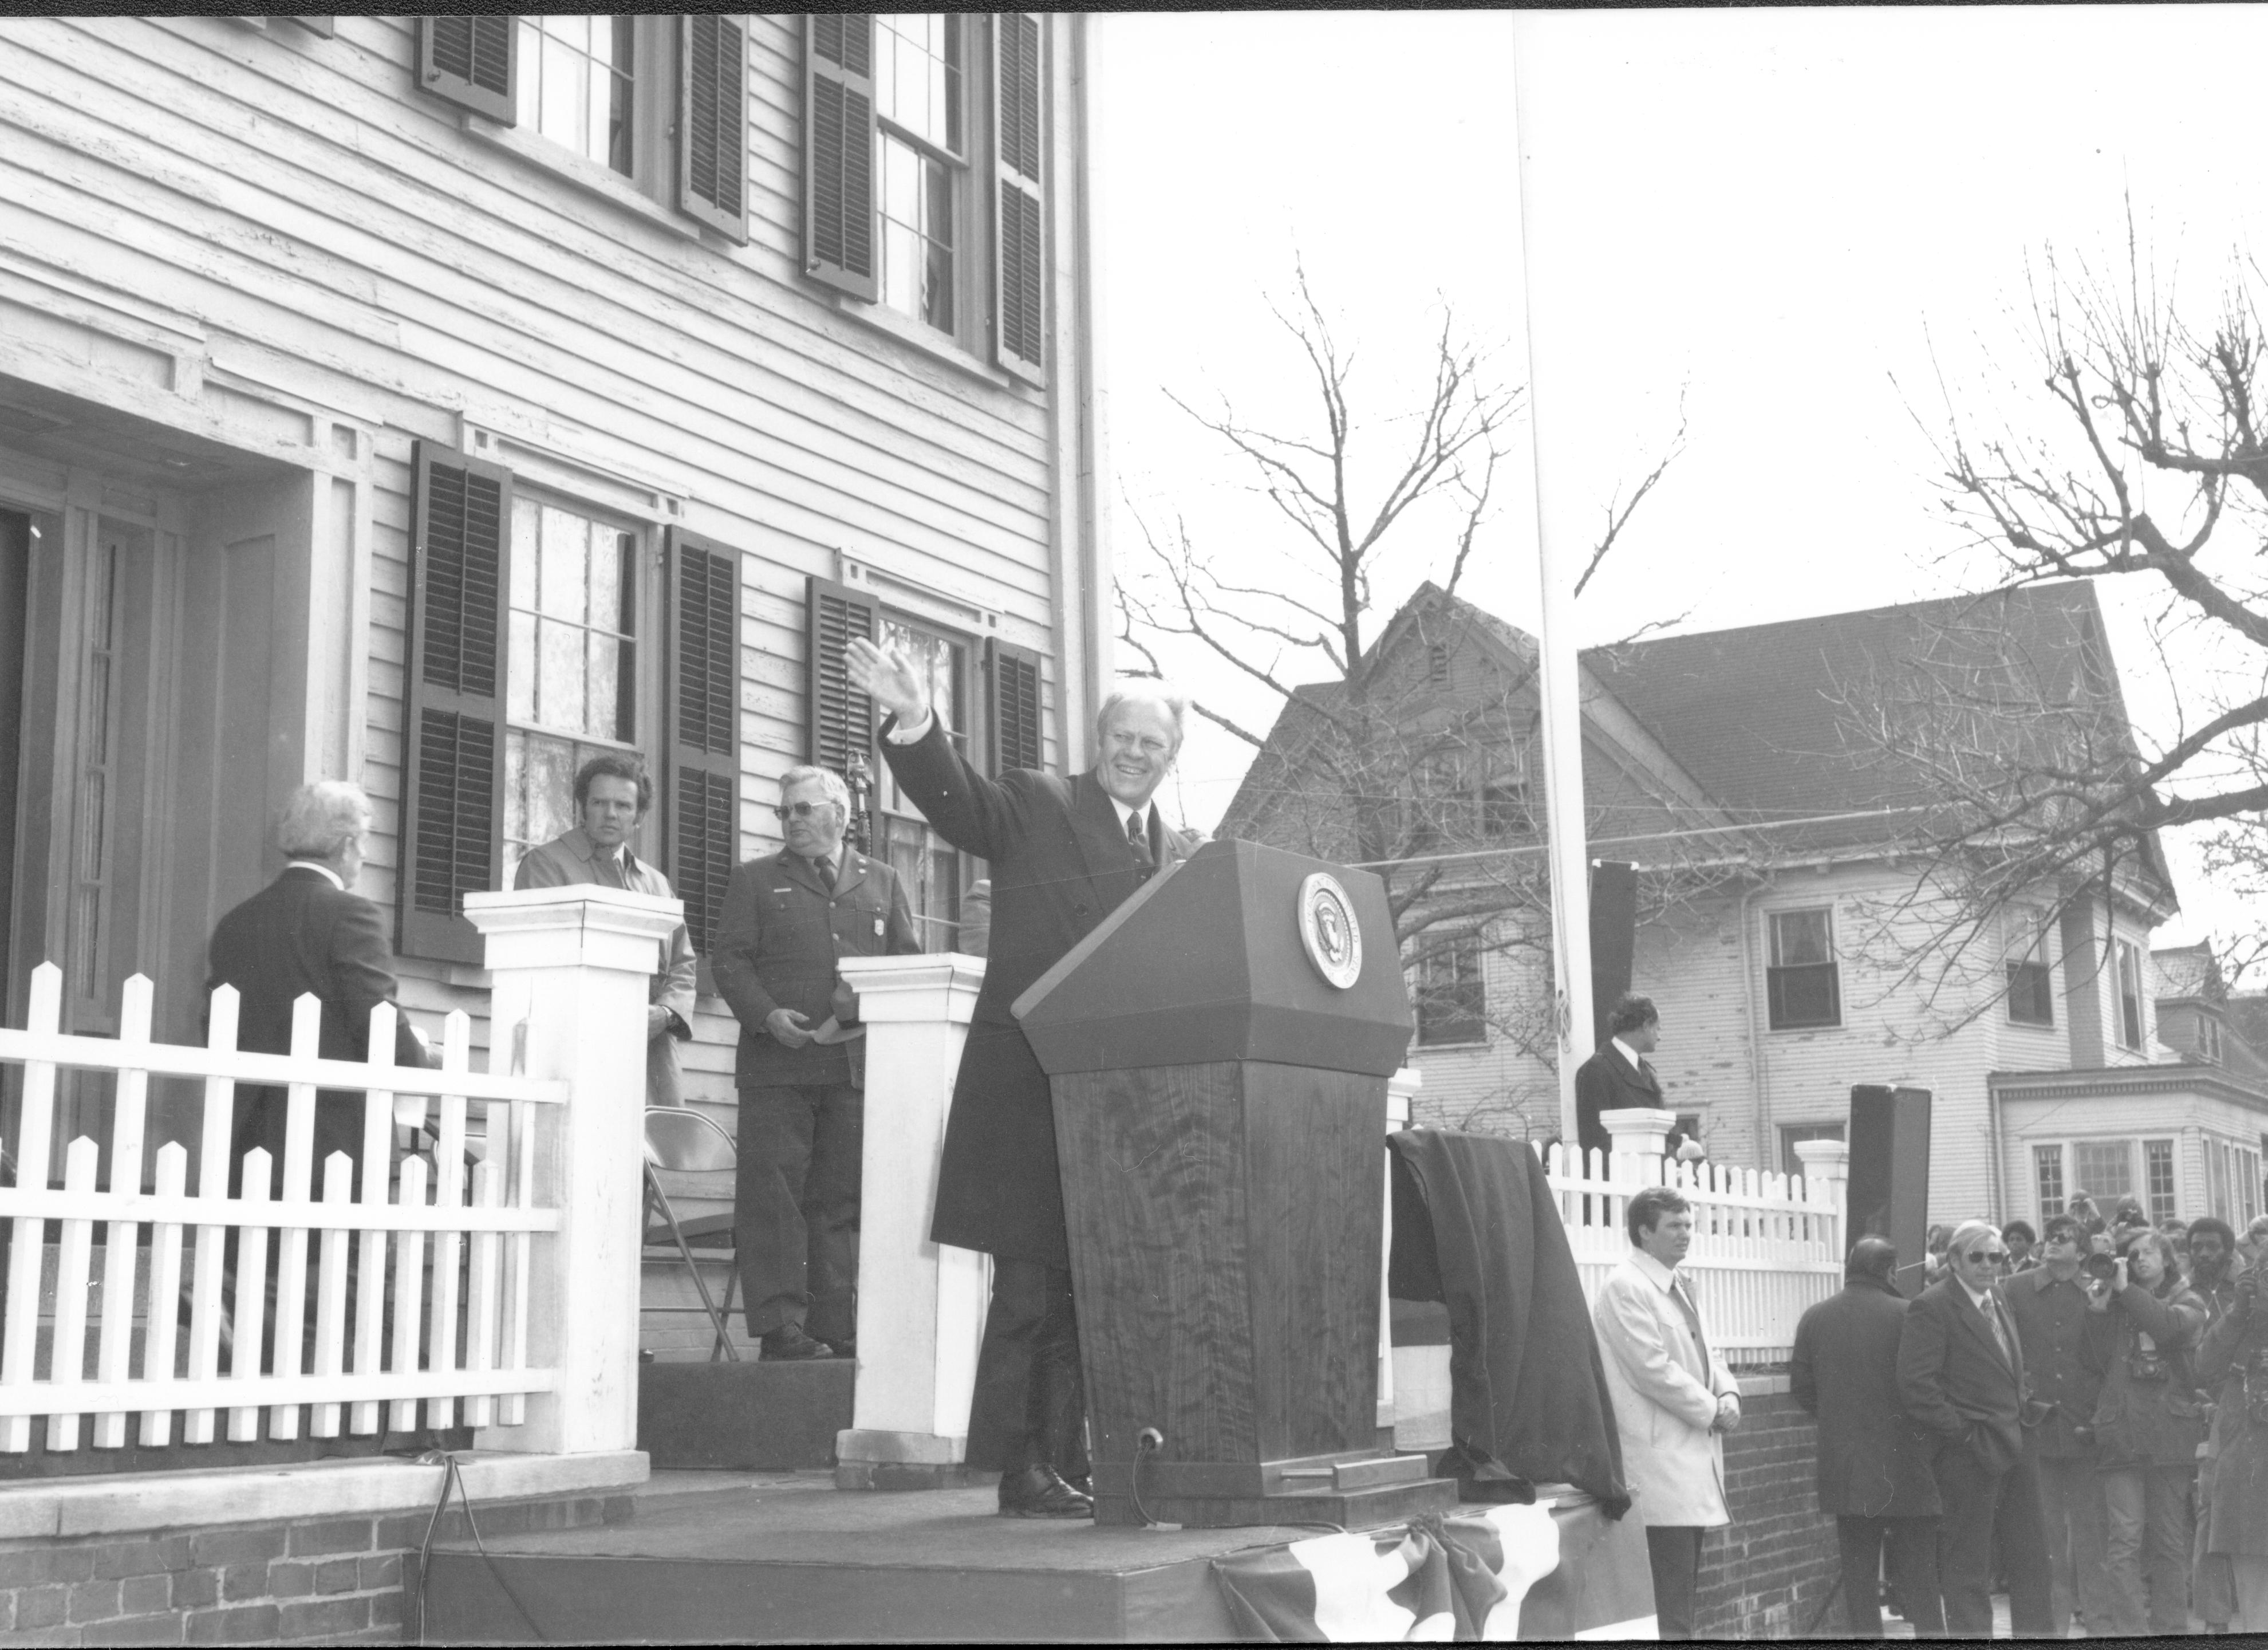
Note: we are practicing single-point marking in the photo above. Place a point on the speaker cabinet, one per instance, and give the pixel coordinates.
(1614, 939)
(1888, 1191)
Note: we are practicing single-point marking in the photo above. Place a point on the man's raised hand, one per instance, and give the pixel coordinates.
(886, 676)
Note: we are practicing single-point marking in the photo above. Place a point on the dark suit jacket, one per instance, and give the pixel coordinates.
(1954, 1381)
(1059, 865)
(1605, 1082)
(300, 934)
(778, 941)
(1872, 1462)
(573, 859)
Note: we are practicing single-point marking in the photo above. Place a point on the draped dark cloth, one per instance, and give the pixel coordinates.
(1475, 1228)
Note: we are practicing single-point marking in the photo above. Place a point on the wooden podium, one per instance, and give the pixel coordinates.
(1218, 1050)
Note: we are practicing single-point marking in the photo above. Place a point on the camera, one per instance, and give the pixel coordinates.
(2104, 1267)
(2145, 1364)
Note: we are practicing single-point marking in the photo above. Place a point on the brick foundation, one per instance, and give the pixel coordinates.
(1766, 1574)
(335, 1580)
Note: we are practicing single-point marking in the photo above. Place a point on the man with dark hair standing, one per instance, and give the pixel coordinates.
(789, 919)
(1064, 854)
(612, 795)
(1617, 1077)
(1961, 1372)
(2024, 1246)
(1674, 1398)
(2064, 1346)
(1874, 1467)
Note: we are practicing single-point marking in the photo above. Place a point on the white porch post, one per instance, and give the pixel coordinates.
(921, 1305)
(1638, 1132)
(1401, 1089)
(572, 965)
(1827, 1177)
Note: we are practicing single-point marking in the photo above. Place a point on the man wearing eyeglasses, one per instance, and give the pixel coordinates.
(787, 921)
(1960, 1372)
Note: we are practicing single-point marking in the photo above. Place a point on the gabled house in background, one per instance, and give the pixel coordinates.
(1790, 932)
(432, 401)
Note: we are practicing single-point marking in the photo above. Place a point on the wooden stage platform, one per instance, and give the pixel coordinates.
(710, 1557)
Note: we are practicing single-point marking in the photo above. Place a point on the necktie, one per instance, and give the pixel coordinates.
(1137, 838)
(826, 868)
(1692, 1319)
(1999, 1331)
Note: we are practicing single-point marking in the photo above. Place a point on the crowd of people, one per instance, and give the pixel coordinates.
(2077, 1417)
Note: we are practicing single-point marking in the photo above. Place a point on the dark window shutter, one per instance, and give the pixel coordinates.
(1019, 268)
(704, 744)
(453, 757)
(712, 122)
(474, 61)
(1015, 706)
(839, 718)
(838, 151)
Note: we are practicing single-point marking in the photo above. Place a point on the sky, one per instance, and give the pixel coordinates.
(1806, 233)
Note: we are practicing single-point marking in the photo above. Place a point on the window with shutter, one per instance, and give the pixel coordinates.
(838, 152)
(452, 782)
(1018, 238)
(1015, 684)
(713, 116)
(472, 61)
(703, 701)
(839, 720)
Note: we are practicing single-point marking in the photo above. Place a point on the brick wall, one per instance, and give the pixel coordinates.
(327, 1581)
(1765, 1574)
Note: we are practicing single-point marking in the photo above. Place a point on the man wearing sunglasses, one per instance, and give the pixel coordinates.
(1960, 1372)
(788, 919)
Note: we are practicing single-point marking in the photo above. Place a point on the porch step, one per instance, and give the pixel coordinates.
(759, 1417)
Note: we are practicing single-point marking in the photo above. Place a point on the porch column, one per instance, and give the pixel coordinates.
(921, 1305)
(571, 965)
(1401, 1089)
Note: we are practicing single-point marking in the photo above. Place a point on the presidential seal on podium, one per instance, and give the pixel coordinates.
(1328, 931)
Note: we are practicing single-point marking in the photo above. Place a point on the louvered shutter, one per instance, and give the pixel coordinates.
(703, 702)
(474, 61)
(839, 718)
(712, 122)
(1019, 267)
(453, 760)
(1014, 680)
(838, 151)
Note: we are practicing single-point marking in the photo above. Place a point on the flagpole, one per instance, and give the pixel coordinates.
(1567, 849)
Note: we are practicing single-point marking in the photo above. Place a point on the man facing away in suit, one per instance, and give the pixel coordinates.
(788, 919)
(1674, 1397)
(1874, 1467)
(308, 931)
(612, 795)
(1063, 855)
(1960, 1372)
(1618, 1076)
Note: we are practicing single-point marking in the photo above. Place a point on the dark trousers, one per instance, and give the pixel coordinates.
(1913, 1545)
(795, 1207)
(1029, 1407)
(2078, 1573)
(1989, 1513)
(1673, 1551)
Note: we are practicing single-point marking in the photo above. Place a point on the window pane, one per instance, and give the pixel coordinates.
(520, 675)
(560, 680)
(2104, 1167)
(1801, 996)
(563, 586)
(2158, 1165)
(917, 76)
(2031, 1002)
(2047, 1167)
(605, 599)
(581, 85)
(1799, 937)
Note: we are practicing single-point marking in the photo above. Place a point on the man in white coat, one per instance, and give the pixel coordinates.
(1674, 1398)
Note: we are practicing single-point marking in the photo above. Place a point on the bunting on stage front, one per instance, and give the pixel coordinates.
(1438, 1579)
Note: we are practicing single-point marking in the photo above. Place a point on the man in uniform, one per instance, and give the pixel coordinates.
(1064, 854)
(788, 919)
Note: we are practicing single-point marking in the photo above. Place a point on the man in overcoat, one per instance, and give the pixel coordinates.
(1874, 1467)
(1062, 854)
(1674, 1398)
(612, 794)
(1962, 1376)
(788, 920)
(1617, 1077)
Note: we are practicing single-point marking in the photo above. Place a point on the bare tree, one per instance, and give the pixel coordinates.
(2143, 452)
(1377, 757)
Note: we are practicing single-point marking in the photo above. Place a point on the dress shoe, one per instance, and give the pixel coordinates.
(1082, 1482)
(847, 1347)
(790, 1341)
(1036, 1493)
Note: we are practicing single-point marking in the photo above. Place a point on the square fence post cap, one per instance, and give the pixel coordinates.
(580, 924)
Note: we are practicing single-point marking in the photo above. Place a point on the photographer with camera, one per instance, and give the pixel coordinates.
(2233, 1361)
(2066, 1348)
(2148, 1423)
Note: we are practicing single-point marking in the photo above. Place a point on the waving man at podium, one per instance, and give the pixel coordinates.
(1064, 854)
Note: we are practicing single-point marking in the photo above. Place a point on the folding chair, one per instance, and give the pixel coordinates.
(681, 1140)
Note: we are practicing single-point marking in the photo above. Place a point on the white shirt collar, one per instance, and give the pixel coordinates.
(319, 866)
(1661, 1275)
(1979, 1300)
(1127, 811)
(1628, 1053)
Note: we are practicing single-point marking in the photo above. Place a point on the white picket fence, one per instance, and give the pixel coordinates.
(1765, 1246)
(464, 1340)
